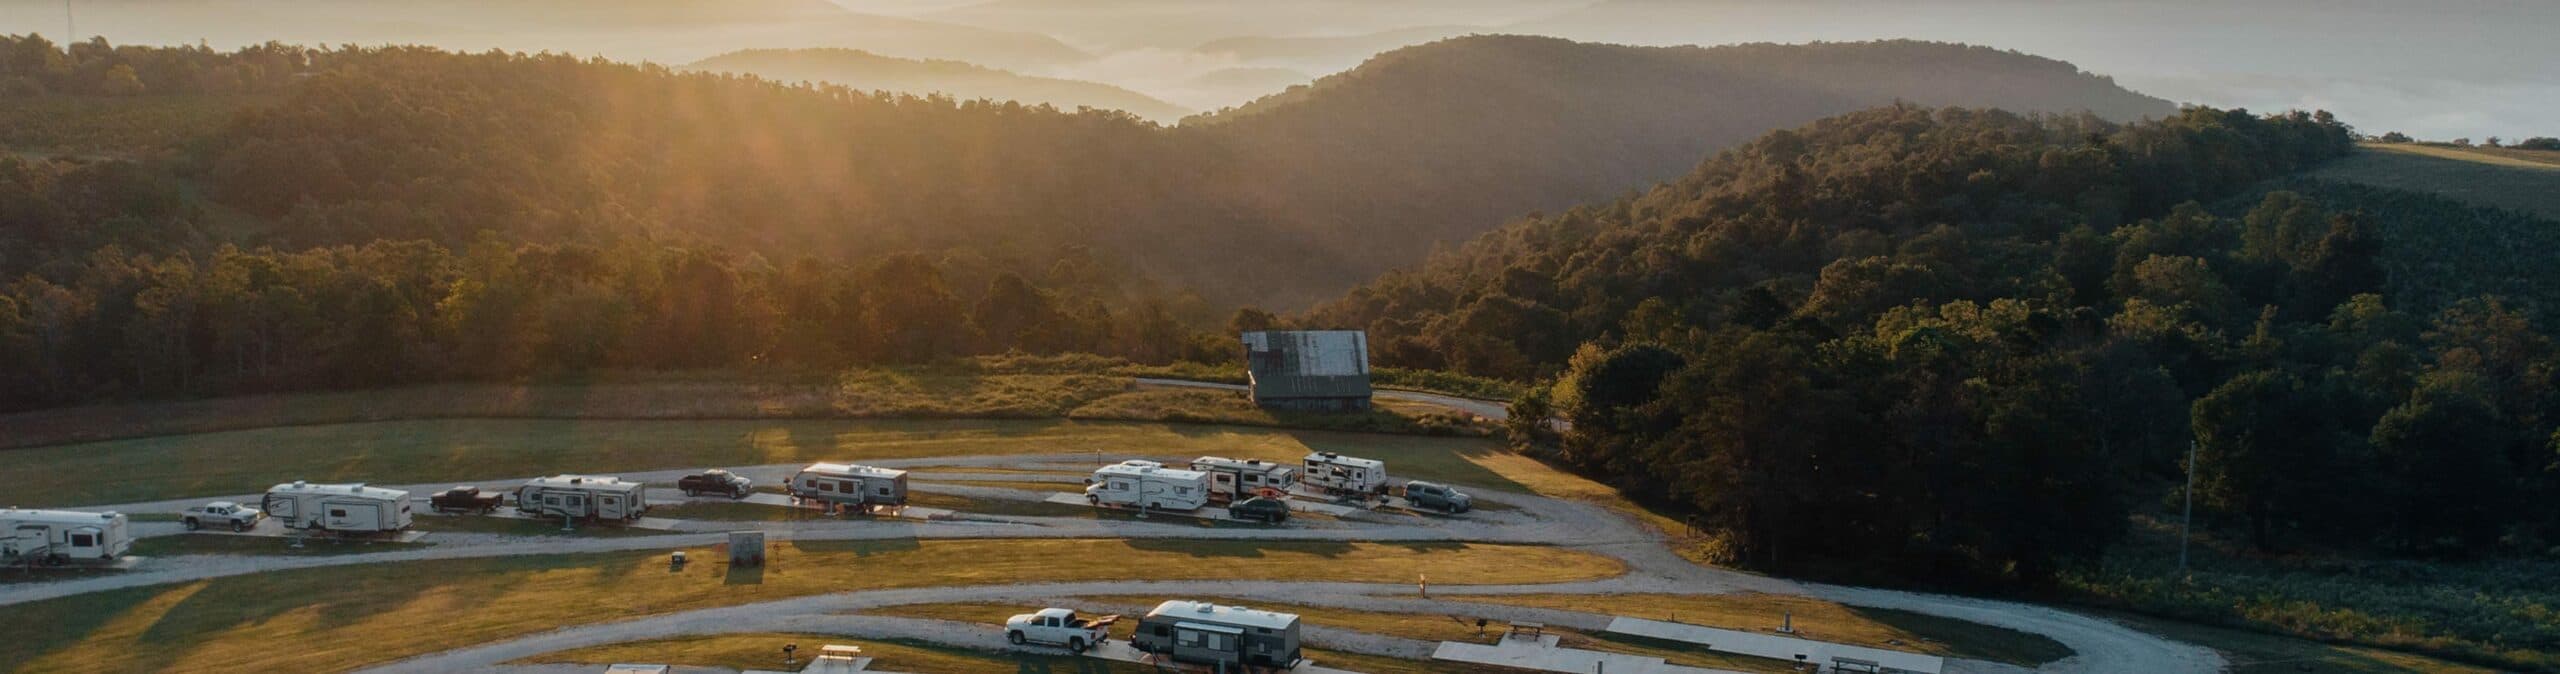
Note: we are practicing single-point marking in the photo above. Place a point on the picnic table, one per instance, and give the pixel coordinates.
(1526, 629)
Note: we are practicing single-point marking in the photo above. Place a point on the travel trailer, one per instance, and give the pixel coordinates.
(61, 536)
(349, 508)
(1345, 474)
(1238, 479)
(583, 496)
(1147, 484)
(850, 485)
(1225, 637)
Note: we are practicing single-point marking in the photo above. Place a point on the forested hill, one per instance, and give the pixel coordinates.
(1963, 344)
(872, 72)
(1482, 129)
(353, 145)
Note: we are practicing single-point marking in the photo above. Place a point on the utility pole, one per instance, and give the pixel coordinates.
(70, 25)
(2187, 522)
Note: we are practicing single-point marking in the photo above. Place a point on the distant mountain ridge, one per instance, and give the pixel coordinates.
(1288, 201)
(873, 72)
(1473, 131)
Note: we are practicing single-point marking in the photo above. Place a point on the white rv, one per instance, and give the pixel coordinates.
(850, 484)
(1239, 479)
(582, 496)
(352, 508)
(61, 536)
(1345, 474)
(1147, 484)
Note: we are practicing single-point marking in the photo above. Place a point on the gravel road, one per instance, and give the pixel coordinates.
(2100, 646)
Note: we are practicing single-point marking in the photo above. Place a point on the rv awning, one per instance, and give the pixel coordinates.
(1205, 627)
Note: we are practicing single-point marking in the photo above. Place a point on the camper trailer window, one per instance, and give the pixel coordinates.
(1193, 639)
(82, 540)
(884, 491)
(334, 512)
(1164, 630)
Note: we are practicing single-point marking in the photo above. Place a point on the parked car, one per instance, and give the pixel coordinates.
(1258, 508)
(465, 499)
(1437, 496)
(221, 514)
(714, 481)
(1059, 626)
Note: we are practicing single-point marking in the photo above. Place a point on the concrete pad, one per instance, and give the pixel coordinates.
(899, 512)
(1543, 655)
(657, 524)
(1775, 646)
(769, 498)
(1204, 513)
(1333, 509)
(269, 528)
(1121, 651)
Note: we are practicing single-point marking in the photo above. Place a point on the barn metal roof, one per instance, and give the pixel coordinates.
(1308, 363)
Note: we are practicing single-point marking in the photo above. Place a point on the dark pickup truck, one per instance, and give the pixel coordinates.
(464, 499)
(714, 481)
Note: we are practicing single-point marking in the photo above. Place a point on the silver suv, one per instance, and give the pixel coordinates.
(1437, 496)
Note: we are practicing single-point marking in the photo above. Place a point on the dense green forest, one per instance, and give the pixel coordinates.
(1279, 207)
(1815, 338)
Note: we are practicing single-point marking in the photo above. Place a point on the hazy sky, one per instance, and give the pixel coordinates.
(2437, 69)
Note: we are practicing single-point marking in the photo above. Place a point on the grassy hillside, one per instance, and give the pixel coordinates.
(2522, 180)
(872, 72)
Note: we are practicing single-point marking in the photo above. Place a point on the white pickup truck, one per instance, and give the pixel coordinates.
(1058, 626)
(225, 514)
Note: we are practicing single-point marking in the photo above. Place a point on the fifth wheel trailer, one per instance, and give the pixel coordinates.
(61, 536)
(348, 508)
(1227, 637)
(582, 496)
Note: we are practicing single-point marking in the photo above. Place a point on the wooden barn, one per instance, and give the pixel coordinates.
(1308, 370)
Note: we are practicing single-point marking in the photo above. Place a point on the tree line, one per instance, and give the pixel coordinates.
(1965, 345)
(121, 324)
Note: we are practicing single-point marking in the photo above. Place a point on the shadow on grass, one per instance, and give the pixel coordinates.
(1966, 639)
(33, 634)
(744, 575)
(861, 548)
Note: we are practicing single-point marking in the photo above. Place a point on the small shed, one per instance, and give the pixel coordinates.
(1308, 370)
(746, 548)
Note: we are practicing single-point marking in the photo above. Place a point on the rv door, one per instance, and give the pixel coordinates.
(283, 509)
(357, 516)
(609, 505)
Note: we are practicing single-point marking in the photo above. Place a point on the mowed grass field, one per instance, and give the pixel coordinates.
(345, 617)
(2522, 180)
(439, 450)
